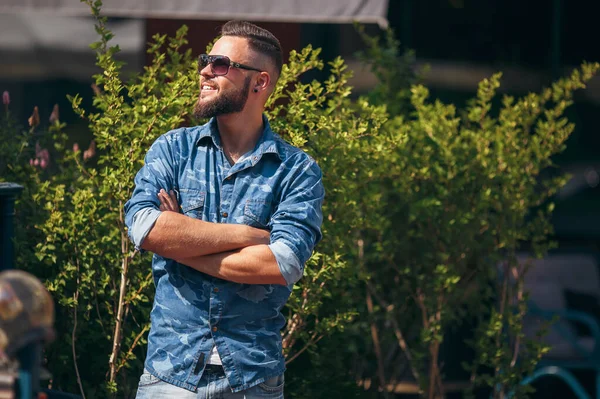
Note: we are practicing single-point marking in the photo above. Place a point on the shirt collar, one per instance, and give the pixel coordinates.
(209, 130)
(267, 144)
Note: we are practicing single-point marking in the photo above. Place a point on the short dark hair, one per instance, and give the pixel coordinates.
(260, 40)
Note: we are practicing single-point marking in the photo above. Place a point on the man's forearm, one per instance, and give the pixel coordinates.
(250, 265)
(178, 236)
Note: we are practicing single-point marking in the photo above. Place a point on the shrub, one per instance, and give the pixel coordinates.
(461, 195)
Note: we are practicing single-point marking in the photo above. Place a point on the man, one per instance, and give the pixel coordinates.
(232, 213)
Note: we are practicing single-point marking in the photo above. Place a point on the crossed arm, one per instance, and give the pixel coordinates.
(232, 252)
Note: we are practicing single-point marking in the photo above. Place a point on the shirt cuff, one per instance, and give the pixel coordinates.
(143, 221)
(289, 264)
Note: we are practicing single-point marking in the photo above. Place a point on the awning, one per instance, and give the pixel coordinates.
(42, 46)
(50, 38)
(321, 11)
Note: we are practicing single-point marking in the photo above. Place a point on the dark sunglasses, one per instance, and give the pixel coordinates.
(220, 64)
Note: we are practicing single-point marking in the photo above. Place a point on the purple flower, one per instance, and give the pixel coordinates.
(90, 152)
(96, 90)
(34, 119)
(42, 157)
(54, 117)
(75, 147)
(5, 98)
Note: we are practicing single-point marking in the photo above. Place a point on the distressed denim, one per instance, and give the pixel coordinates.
(213, 385)
(276, 187)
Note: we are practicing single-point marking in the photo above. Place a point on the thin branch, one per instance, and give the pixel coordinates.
(120, 306)
(438, 315)
(294, 325)
(397, 331)
(435, 379)
(376, 346)
(288, 341)
(141, 287)
(310, 343)
(374, 332)
(403, 345)
(73, 332)
(132, 347)
(520, 295)
(419, 300)
(97, 306)
(74, 351)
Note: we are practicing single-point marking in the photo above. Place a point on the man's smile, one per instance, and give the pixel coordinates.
(207, 89)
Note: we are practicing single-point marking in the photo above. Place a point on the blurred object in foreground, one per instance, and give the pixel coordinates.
(26, 323)
(26, 312)
(8, 196)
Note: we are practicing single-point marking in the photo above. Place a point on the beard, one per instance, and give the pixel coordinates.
(226, 102)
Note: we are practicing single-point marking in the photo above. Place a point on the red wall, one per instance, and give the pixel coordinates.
(201, 33)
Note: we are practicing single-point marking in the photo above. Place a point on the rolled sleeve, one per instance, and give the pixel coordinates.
(157, 173)
(296, 222)
(143, 221)
(289, 264)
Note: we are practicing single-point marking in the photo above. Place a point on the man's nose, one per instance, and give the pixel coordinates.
(207, 71)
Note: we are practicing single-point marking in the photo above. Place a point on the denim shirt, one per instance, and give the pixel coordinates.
(276, 187)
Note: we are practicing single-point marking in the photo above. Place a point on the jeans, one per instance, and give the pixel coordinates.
(213, 385)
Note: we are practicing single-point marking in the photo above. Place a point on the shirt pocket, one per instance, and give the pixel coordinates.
(192, 202)
(257, 212)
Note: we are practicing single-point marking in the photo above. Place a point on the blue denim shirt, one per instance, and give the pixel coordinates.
(275, 186)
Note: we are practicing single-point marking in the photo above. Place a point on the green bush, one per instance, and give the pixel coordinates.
(461, 194)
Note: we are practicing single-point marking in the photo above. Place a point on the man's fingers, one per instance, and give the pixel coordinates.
(163, 202)
(161, 197)
(168, 201)
(172, 201)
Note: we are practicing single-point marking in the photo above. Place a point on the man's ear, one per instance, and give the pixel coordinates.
(262, 82)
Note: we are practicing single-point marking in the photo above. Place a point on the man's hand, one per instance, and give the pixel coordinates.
(168, 201)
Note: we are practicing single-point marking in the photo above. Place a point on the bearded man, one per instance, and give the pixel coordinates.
(232, 213)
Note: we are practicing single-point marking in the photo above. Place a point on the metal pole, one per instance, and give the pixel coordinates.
(556, 28)
(30, 359)
(8, 194)
(407, 23)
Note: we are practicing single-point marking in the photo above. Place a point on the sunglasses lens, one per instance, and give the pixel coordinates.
(220, 66)
(202, 62)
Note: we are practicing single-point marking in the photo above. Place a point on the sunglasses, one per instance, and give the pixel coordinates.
(220, 64)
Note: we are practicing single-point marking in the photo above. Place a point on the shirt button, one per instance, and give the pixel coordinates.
(216, 289)
(225, 214)
(215, 329)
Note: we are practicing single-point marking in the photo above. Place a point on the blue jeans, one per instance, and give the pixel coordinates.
(213, 385)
